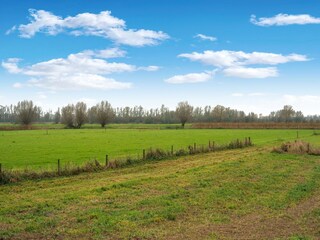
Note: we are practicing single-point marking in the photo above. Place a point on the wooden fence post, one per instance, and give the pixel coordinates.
(59, 167)
(249, 140)
(107, 160)
(212, 145)
(209, 144)
(172, 150)
(144, 154)
(194, 147)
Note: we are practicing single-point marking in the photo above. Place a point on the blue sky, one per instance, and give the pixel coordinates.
(250, 55)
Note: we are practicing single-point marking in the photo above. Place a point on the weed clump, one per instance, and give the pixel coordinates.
(297, 147)
(156, 154)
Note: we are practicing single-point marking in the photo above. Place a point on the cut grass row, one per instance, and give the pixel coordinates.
(238, 194)
(42, 148)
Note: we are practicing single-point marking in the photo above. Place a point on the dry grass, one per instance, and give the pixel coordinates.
(256, 125)
(297, 147)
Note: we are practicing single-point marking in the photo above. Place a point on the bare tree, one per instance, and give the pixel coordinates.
(26, 112)
(104, 113)
(184, 112)
(68, 116)
(80, 114)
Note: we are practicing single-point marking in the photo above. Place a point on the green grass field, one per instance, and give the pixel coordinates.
(42, 148)
(248, 193)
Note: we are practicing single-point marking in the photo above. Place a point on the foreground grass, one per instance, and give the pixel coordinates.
(238, 194)
(42, 148)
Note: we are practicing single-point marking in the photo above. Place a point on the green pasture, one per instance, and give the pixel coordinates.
(36, 149)
(246, 193)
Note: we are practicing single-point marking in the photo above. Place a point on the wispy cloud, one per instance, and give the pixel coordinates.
(243, 72)
(234, 63)
(11, 65)
(191, 78)
(205, 37)
(102, 24)
(284, 19)
(77, 71)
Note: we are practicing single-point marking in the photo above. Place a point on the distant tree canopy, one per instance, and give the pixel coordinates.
(74, 116)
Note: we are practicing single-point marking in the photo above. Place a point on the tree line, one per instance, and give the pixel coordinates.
(75, 115)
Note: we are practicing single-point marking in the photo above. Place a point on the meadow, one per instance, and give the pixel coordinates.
(35, 149)
(250, 193)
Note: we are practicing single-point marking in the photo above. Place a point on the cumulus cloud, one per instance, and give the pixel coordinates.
(284, 19)
(102, 24)
(191, 78)
(226, 58)
(77, 71)
(234, 63)
(243, 72)
(205, 37)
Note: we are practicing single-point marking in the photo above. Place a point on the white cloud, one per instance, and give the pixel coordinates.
(11, 30)
(102, 24)
(11, 65)
(149, 68)
(80, 70)
(225, 58)
(233, 63)
(243, 72)
(191, 78)
(110, 53)
(284, 19)
(205, 37)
